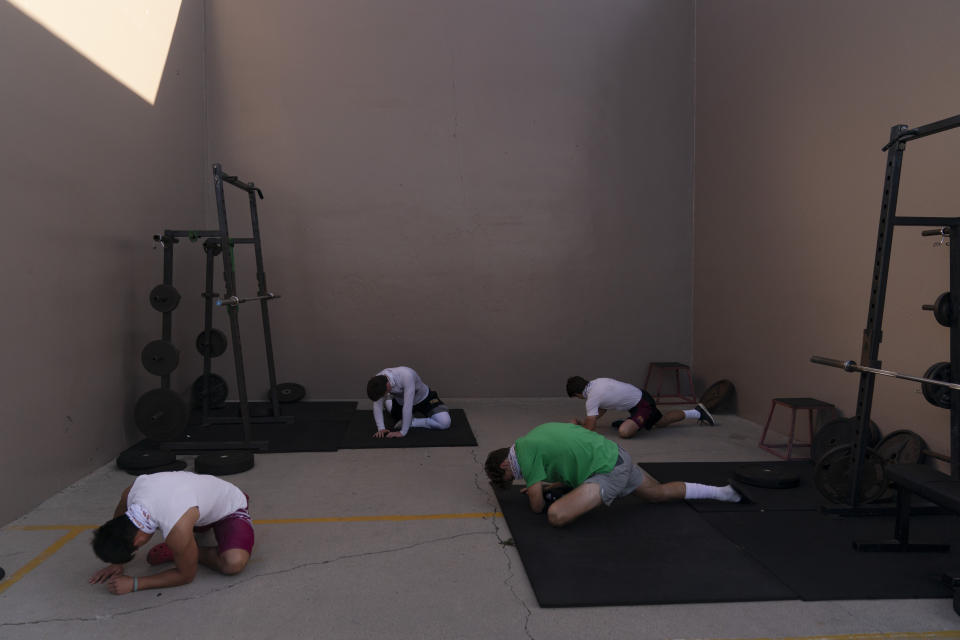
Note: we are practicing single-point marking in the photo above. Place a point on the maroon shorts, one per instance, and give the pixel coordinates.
(647, 412)
(233, 532)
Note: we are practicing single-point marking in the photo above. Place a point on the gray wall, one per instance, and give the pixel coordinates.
(89, 172)
(497, 194)
(794, 102)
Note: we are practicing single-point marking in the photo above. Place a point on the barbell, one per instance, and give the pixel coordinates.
(850, 366)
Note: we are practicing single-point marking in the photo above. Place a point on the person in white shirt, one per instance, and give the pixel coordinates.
(607, 394)
(177, 503)
(402, 393)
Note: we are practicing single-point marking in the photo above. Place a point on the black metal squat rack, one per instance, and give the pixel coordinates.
(946, 310)
(161, 413)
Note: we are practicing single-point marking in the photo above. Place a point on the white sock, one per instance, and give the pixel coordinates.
(692, 414)
(696, 491)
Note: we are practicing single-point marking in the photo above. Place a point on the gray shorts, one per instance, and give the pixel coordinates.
(621, 481)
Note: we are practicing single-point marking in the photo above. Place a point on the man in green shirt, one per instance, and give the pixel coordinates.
(561, 454)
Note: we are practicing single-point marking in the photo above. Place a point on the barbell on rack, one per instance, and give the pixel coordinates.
(233, 301)
(850, 365)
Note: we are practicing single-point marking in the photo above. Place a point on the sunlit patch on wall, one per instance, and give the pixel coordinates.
(128, 39)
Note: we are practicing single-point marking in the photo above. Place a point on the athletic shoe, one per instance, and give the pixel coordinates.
(705, 417)
(160, 554)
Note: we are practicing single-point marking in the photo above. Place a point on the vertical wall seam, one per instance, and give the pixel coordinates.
(693, 198)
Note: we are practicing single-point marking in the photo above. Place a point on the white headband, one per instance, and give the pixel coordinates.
(514, 464)
(141, 519)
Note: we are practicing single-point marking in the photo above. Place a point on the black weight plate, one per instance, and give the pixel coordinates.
(718, 396)
(289, 392)
(160, 414)
(212, 345)
(223, 463)
(215, 392)
(176, 465)
(833, 476)
(935, 394)
(3, 573)
(164, 297)
(943, 309)
(160, 357)
(134, 459)
(839, 432)
(768, 476)
(901, 447)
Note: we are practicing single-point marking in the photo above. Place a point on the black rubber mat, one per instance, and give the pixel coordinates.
(802, 497)
(634, 553)
(359, 434)
(813, 554)
(316, 426)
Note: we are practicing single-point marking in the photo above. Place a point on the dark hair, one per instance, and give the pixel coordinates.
(113, 542)
(575, 385)
(377, 387)
(492, 467)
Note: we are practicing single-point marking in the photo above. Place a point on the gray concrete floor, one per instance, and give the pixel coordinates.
(361, 562)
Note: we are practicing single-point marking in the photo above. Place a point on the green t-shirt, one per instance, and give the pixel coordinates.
(564, 452)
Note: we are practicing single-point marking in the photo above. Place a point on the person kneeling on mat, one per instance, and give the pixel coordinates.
(596, 469)
(403, 393)
(606, 393)
(178, 503)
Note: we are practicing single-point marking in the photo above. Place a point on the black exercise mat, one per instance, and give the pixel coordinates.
(317, 426)
(634, 553)
(812, 553)
(326, 410)
(359, 435)
(802, 497)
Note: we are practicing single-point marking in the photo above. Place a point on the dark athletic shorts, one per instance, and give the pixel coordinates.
(233, 532)
(427, 407)
(646, 410)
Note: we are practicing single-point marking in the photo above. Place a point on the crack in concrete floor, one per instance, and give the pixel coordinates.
(246, 579)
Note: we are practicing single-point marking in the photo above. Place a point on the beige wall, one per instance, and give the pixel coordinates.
(497, 194)
(88, 172)
(794, 102)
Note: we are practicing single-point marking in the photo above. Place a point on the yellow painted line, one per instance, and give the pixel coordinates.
(393, 518)
(55, 527)
(907, 635)
(49, 551)
(76, 529)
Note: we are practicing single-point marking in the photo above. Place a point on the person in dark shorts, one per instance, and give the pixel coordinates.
(401, 392)
(603, 394)
(596, 470)
(177, 504)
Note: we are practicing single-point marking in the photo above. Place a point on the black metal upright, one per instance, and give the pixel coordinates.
(955, 350)
(873, 334)
(230, 282)
(166, 329)
(263, 292)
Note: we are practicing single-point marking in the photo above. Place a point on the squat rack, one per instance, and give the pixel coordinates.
(219, 241)
(872, 335)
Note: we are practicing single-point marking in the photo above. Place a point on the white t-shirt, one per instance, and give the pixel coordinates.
(610, 394)
(407, 388)
(166, 496)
